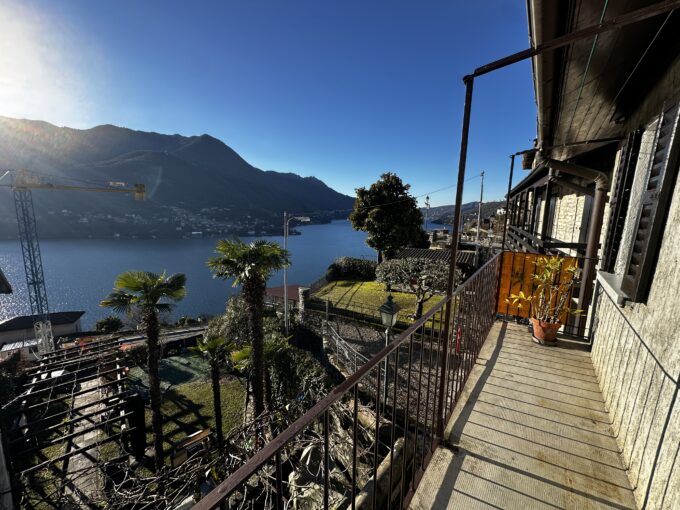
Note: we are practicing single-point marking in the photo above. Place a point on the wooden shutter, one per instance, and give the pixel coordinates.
(620, 197)
(653, 211)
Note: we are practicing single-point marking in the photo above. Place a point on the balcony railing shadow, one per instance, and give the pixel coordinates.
(530, 430)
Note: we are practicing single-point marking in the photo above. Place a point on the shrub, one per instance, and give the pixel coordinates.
(137, 355)
(109, 324)
(350, 268)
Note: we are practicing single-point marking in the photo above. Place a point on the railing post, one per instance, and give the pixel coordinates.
(591, 321)
(507, 201)
(469, 82)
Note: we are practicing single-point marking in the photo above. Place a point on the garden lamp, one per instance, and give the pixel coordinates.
(389, 312)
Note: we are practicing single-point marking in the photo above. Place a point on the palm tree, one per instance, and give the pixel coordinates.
(275, 343)
(147, 293)
(251, 265)
(215, 348)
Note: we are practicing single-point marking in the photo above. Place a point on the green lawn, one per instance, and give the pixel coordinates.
(187, 398)
(366, 297)
(188, 408)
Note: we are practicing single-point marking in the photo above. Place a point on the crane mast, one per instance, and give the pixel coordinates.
(35, 278)
(23, 183)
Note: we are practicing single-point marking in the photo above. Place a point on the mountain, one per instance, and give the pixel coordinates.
(444, 214)
(194, 183)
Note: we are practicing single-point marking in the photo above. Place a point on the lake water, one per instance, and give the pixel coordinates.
(80, 273)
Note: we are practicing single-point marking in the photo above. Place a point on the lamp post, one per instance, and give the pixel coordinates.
(287, 218)
(389, 315)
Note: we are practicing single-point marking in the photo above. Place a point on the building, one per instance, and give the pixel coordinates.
(20, 328)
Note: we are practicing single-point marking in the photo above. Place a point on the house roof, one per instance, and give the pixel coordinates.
(462, 256)
(5, 287)
(13, 346)
(26, 321)
(277, 292)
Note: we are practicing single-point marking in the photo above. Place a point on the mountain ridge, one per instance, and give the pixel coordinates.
(196, 176)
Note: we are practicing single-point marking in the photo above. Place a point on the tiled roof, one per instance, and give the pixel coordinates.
(26, 321)
(277, 292)
(462, 257)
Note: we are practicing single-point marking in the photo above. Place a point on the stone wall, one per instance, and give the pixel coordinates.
(636, 347)
(568, 217)
(641, 396)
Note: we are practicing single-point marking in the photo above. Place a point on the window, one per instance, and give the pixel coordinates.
(620, 197)
(651, 216)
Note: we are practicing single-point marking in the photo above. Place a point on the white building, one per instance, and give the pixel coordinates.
(20, 328)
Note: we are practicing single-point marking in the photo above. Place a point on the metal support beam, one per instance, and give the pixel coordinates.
(30, 248)
(615, 23)
(547, 195)
(507, 201)
(573, 187)
(469, 84)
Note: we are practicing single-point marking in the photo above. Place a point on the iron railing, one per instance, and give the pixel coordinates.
(347, 355)
(335, 456)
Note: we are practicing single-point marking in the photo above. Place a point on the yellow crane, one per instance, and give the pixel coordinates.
(22, 183)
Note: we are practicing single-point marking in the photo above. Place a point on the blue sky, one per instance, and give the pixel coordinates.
(341, 90)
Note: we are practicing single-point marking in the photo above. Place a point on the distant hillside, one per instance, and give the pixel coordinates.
(194, 183)
(444, 214)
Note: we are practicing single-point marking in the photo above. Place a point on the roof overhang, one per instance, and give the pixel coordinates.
(590, 90)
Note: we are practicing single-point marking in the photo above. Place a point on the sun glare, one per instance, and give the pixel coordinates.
(41, 73)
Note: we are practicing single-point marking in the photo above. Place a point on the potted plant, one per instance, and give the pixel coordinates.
(548, 302)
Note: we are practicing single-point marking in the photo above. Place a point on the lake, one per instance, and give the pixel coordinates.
(79, 273)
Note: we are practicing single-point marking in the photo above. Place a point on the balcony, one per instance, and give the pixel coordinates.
(463, 410)
(530, 431)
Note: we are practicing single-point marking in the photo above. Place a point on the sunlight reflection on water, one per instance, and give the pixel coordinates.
(80, 273)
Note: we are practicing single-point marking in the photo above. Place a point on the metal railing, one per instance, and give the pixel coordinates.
(378, 461)
(350, 358)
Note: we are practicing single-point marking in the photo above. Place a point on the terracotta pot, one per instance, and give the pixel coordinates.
(545, 333)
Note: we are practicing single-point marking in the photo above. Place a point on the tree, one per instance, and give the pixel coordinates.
(186, 321)
(421, 276)
(251, 265)
(109, 324)
(389, 215)
(215, 349)
(275, 344)
(146, 294)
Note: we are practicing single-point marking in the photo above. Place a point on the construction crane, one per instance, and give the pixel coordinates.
(22, 184)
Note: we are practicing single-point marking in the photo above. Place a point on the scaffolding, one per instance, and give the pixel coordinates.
(72, 419)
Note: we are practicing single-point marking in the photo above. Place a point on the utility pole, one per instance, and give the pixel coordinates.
(427, 210)
(287, 218)
(479, 218)
(285, 273)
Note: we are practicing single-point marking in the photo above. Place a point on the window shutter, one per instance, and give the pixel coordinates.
(620, 197)
(653, 211)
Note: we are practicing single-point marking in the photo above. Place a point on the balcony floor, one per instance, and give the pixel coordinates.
(530, 431)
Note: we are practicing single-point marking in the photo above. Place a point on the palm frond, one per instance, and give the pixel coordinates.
(173, 287)
(134, 281)
(119, 300)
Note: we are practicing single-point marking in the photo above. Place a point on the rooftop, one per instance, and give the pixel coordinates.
(26, 321)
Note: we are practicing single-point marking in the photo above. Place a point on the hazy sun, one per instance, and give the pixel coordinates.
(41, 69)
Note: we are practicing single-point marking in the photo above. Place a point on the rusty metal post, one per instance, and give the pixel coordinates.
(590, 259)
(507, 201)
(469, 82)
